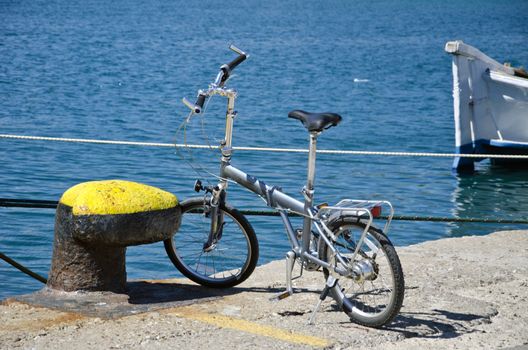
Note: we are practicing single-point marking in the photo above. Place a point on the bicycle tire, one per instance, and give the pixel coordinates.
(375, 271)
(239, 241)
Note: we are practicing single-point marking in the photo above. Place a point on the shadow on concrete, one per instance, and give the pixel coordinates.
(437, 324)
(147, 292)
(153, 292)
(140, 296)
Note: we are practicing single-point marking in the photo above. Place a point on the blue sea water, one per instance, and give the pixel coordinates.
(118, 70)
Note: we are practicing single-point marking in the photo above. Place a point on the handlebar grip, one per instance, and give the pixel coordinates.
(232, 65)
(199, 102)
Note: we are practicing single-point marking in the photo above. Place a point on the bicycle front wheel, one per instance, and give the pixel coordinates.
(373, 294)
(232, 259)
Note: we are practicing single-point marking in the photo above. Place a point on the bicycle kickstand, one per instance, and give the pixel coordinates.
(290, 261)
(330, 283)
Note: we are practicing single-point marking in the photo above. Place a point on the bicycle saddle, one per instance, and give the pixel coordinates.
(315, 122)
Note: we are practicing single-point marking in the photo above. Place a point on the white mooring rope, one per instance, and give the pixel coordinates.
(263, 149)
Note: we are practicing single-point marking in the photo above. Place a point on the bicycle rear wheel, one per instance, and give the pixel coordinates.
(373, 295)
(232, 259)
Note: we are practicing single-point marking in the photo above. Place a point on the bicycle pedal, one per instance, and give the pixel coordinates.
(281, 296)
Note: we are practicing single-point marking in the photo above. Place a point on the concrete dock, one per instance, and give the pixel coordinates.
(461, 293)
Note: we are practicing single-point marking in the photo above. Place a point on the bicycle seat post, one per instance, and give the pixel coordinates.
(308, 191)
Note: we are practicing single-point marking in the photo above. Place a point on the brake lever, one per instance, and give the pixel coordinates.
(188, 103)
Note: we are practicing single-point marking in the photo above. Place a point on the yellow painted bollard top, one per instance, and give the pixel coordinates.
(111, 197)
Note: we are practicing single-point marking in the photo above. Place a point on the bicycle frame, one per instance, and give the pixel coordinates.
(273, 195)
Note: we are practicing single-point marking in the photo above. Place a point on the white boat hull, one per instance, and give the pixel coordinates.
(490, 106)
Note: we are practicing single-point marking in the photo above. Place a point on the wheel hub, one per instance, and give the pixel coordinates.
(209, 246)
(365, 270)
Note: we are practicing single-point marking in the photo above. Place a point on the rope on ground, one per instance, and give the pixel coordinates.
(265, 149)
(32, 203)
(23, 268)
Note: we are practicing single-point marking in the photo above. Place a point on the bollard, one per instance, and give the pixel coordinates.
(95, 222)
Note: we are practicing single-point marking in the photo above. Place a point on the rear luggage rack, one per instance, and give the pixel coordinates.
(362, 209)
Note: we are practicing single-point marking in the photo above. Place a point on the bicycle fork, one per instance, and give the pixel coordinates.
(217, 219)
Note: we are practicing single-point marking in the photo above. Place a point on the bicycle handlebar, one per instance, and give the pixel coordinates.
(226, 69)
(234, 63)
(222, 77)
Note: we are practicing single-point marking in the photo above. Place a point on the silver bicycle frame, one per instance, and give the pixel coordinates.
(317, 220)
(278, 200)
(273, 195)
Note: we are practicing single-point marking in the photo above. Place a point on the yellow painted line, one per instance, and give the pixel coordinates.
(249, 327)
